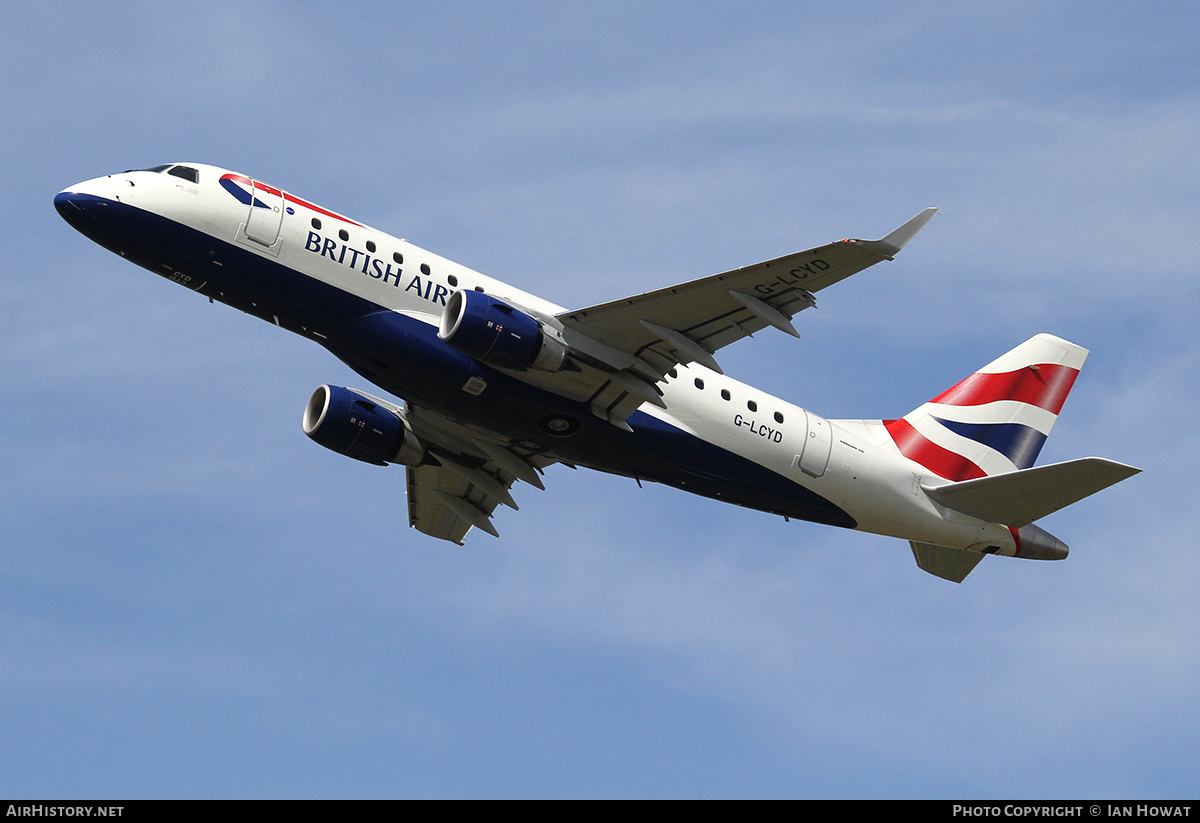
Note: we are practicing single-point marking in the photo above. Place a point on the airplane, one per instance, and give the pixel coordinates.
(498, 384)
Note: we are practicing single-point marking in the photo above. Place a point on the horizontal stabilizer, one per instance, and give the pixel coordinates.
(1021, 497)
(945, 562)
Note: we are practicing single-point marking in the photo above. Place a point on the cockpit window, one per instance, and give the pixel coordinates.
(155, 169)
(186, 172)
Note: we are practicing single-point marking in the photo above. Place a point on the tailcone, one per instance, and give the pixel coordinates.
(1035, 543)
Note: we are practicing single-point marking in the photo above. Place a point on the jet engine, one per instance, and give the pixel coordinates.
(360, 426)
(493, 332)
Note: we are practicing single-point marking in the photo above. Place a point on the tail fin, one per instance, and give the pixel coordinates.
(984, 435)
(996, 420)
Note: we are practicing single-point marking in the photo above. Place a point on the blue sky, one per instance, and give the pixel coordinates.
(198, 601)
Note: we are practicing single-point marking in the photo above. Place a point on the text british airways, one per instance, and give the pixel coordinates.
(374, 267)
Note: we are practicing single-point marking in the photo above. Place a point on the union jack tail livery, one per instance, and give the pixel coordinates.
(997, 419)
(983, 435)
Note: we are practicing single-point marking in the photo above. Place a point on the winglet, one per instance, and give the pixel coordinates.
(890, 245)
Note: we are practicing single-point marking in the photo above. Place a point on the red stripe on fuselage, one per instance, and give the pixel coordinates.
(941, 461)
(1046, 386)
(246, 181)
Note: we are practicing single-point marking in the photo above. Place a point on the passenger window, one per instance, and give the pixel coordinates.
(345, 235)
(751, 405)
(452, 280)
(724, 394)
(778, 417)
(316, 224)
(398, 257)
(371, 246)
(187, 173)
(424, 268)
(699, 383)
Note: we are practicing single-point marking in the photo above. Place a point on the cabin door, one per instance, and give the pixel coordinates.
(266, 214)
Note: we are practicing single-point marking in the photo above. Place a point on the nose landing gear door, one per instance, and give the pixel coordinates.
(265, 219)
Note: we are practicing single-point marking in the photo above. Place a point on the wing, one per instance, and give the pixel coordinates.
(466, 473)
(690, 321)
(621, 349)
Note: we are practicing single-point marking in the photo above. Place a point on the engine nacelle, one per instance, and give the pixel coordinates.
(493, 332)
(359, 426)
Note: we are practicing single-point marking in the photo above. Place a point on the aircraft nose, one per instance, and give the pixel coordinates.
(83, 204)
(67, 205)
(80, 210)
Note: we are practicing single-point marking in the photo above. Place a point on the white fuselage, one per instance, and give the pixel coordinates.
(851, 464)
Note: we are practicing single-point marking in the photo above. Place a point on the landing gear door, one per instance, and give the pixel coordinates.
(818, 442)
(266, 216)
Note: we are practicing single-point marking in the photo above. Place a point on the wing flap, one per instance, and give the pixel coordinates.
(428, 511)
(467, 472)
